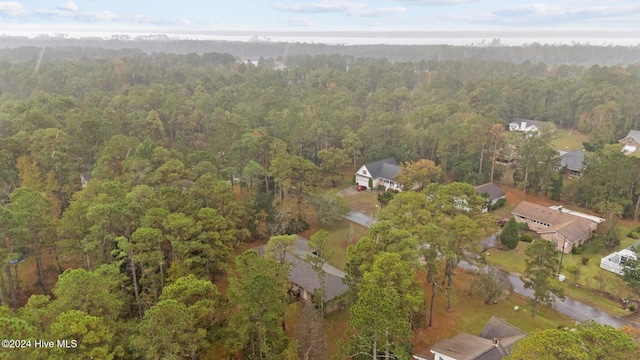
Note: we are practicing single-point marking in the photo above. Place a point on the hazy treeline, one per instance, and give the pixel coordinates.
(579, 54)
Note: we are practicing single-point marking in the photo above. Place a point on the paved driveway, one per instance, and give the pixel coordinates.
(359, 218)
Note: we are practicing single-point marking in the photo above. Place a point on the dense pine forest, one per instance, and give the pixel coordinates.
(131, 182)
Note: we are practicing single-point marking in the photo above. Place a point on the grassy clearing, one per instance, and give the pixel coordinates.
(471, 314)
(591, 277)
(569, 140)
(336, 325)
(362, 201)
(341, 235)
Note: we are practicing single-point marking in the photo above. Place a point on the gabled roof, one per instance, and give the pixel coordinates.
(564, 222)
(635, 134)
(302, 273)
(386, 169)
(492, 189)
(497, 328)
(527, 122)
(494, 342)
(573, 160)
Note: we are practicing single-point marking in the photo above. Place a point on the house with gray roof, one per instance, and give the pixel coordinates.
(525, 125)
(494, 343)
(304, 279)
(631, 142)
(381, 173)
(491, 192)
(573, 161)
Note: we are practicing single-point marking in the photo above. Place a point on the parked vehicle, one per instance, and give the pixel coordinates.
(501, 222)
(361, 187)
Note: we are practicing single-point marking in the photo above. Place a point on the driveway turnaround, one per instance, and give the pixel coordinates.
(359, 218)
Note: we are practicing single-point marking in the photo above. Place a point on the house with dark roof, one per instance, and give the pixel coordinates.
(494, 343)
(491, 192)
(304, 279)
(631, 142)
(525, 125)
(572, 161)
(381, 173)
(563, 227)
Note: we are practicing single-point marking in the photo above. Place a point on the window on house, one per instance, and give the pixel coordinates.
(364, 172)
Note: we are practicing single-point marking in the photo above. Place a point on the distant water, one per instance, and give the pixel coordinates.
(476, 38)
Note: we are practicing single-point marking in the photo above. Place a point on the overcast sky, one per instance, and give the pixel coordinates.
(262, 16)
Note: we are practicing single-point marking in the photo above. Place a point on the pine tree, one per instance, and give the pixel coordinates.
(509, 236)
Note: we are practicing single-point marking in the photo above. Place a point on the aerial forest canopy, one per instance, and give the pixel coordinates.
(147, 171)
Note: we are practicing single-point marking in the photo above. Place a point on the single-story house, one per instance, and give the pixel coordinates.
(381, 173)
(565, 228)
(525, 125)
(615, 262)
(494, 343)
(493, 193)
(573, 161)
(631, 142)
(304, 279)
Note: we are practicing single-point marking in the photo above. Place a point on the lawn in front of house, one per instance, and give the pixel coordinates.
(591, 277)
(341, 235)
(362, 201)
(569, 140)
(469, 315)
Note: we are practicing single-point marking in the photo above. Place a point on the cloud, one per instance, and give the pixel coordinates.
(12, 9)
(297, 21)
(69, 10)
(321, 7)
(558, 14)
(436, 2)
(345, 7)
(380, 12)
(68, 6)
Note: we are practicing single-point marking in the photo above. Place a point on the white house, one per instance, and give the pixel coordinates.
(381, 172)
(525, 125)
(615, 262)
(631, 142)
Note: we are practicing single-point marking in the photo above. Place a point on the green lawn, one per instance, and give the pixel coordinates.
(591, 275)
(569, 140)
(341, 235)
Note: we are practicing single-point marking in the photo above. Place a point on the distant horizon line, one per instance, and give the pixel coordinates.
(360, 37)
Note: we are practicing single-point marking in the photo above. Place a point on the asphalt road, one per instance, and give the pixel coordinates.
(571, 307)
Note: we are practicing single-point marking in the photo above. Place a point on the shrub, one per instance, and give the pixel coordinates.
(632, 308)
(634, 234)
(585, 260)
(526, 238)
(509, 236)
(577, 250)
(385, 197)
(500, 203)
(523, 226)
